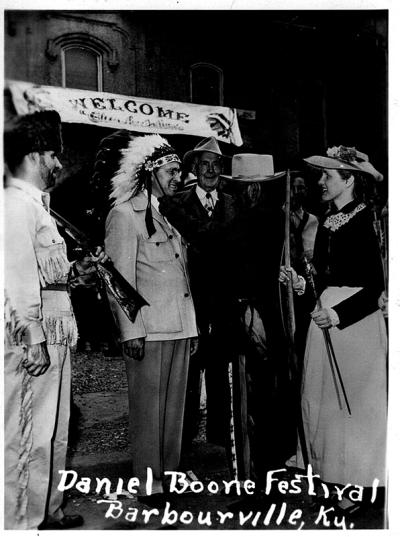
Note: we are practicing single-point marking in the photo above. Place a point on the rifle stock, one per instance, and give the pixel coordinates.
(127, 296)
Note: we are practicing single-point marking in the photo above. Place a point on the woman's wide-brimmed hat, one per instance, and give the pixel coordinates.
(207, 144)
(250, 167)
(345, 158)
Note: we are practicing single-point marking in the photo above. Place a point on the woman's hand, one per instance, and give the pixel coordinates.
(325, 317)
(383, 303)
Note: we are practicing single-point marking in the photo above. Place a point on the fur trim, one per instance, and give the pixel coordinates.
(125, 183)
(37, 132)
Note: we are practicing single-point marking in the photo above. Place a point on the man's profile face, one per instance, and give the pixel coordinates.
(167, 179)
(208, 168)
(49, 165)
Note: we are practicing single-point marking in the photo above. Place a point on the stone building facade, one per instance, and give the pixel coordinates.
(300, 80)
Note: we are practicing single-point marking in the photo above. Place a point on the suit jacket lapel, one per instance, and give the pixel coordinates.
(193, 200)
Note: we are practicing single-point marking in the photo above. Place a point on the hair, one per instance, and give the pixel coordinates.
(363, 189)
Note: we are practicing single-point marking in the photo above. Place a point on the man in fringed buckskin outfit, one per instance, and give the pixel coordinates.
(37, 347)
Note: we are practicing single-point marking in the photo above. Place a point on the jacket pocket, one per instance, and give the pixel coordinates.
(157, 248)
(162, 317)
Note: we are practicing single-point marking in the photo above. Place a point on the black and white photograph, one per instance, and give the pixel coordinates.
(196, 266)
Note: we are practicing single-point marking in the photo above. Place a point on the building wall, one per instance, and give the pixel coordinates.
(311, 79)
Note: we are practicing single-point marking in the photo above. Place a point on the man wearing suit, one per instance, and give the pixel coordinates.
(150, 253)
(201, 214)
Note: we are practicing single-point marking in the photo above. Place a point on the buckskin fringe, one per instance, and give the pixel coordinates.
(25, 443)
(60, 330)
(54, 266)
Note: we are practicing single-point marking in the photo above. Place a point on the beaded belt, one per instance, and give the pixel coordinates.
(56, 287)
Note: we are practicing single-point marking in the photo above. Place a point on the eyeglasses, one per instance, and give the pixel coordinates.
(173, 172)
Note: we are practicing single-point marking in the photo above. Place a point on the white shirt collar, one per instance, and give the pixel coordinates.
(30, 189)
(202, 194)
(155, 203)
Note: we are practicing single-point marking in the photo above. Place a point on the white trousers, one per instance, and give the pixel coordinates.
(36, 417)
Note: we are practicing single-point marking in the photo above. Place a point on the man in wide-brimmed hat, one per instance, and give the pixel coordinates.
(205, 208)
(150, 254)
(37, 366)
(252, 249)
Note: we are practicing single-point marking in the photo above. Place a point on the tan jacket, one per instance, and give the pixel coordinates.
(156, 267)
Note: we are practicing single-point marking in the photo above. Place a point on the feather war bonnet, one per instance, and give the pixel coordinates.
(143, 153)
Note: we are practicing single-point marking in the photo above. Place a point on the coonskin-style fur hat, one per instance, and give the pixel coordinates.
(37, 132)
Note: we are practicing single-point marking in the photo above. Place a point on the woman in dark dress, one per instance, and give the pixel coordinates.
(344, 448)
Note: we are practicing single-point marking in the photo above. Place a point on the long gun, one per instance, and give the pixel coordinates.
(127, 297)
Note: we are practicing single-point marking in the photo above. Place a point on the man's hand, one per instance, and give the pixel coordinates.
(37, 359)
(194, 345)
(99, 255)
(287, 274)
(134, 348)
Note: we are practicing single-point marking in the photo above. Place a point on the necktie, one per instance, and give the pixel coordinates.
(209, 205)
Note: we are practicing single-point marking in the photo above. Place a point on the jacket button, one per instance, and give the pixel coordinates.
(186, 295)
(157, 244)
(170, 236)
(177, 255)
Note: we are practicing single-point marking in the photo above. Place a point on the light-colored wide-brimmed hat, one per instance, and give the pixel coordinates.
(345, 158)
(250, 167)
(207, 144)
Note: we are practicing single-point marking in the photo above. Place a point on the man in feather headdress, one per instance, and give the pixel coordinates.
(150, 254)
(37, 367)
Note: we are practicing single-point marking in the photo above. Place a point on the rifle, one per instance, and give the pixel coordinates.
(127, 297)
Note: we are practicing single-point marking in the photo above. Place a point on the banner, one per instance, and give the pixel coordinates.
(130, 113)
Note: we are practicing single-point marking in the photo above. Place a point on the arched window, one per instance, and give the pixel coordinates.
(82, 68)
(206, 84)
